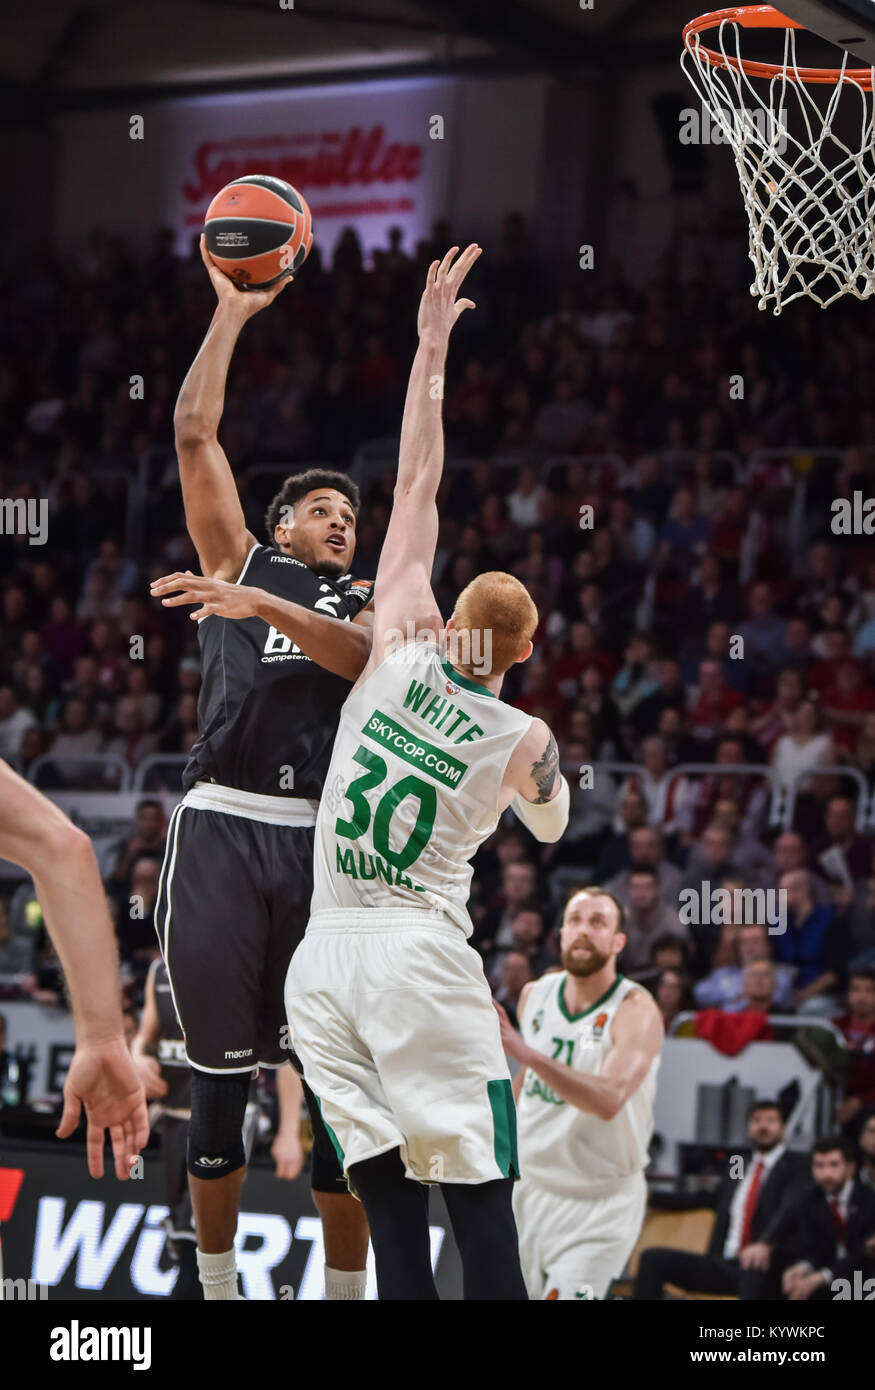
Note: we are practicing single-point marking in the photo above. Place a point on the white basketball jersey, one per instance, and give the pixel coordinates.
(412, 789)
(563, 1149)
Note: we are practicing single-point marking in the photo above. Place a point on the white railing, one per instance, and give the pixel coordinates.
(176, 761)
(784, 792)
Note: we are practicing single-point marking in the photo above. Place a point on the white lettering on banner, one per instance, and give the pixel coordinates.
(93, 1253)
(146, 1276)
(254, 1265)
(56, 1246)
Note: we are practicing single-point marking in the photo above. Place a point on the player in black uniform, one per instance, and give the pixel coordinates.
(237, 877)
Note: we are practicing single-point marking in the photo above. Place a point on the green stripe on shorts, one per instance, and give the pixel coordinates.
(504, 1127)
(331, 1135)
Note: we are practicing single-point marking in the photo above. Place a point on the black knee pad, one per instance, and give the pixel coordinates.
(215, 1132)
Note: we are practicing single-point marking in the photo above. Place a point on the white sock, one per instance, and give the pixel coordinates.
(345, 1284)
(218, 1274)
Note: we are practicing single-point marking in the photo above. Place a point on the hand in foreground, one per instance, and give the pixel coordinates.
(227, 292)
(103, 1079)
(215, 595)
(511, 1040)
(439, 308)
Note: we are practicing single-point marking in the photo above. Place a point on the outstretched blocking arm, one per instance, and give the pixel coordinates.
(60, 859)
(338, 646)
(402, 592)
(213, 513)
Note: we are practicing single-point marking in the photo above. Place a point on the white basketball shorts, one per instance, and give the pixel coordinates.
(572, 1247)
(394, 1025)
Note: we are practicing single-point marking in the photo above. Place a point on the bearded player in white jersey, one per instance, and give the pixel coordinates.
(589, 1055)
(388, 1006)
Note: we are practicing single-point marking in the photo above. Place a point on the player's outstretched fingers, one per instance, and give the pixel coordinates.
(94, 1139)
(464, 264)
(447, 261)
(70, 1116)
(120, 1138)
(136, 1132)
(168, 582)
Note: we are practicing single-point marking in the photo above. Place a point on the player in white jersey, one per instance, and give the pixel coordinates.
(388, 1006)
(589, 1055)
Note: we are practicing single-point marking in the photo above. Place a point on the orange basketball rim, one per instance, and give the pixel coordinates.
(763, 17)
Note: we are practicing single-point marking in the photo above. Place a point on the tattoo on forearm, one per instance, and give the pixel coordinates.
(546, 770)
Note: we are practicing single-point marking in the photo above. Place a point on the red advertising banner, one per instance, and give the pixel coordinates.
(362, 155)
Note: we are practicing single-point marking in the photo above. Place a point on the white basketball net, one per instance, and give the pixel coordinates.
(810, 198)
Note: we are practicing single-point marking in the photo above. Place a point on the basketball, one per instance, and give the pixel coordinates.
(257, 228)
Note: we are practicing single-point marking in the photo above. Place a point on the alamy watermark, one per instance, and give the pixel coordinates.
(859, 1289)
(853, 516)
(78, 1343)
(760, 907)
(469, 648)
(727, 125)
(22, 1290)
(21, 516)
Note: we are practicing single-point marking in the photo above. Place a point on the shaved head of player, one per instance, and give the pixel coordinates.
(492, 626)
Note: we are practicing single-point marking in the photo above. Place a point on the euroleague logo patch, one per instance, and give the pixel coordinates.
(598, 1026)
(452, 689)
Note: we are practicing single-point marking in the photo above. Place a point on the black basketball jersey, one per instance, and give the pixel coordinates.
(267, 714)
(171, 1045)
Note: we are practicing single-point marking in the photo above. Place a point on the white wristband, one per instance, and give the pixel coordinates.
(546, 820)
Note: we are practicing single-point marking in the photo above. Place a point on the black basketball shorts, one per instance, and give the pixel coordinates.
(233, 903)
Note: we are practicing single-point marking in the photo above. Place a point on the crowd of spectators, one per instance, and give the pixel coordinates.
(696, 605)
